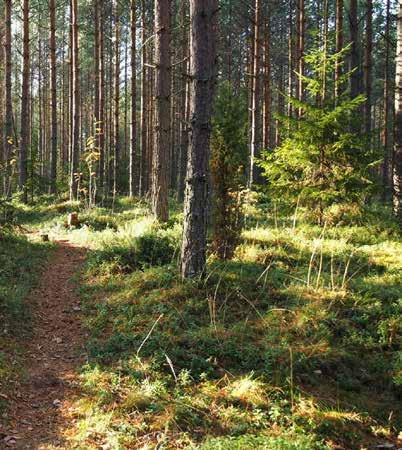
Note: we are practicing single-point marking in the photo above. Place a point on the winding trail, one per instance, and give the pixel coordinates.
(40, 408)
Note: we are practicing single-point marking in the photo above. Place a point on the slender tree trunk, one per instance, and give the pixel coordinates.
(202, 67)
(386, 103)
(266, 128)
(291, 48)
(75, 104)
(368, 63)
(339, 46)
(101, 113)
(184, 108)
(133, 112)
(160, 185)
(144, 102)
(116, 147)
(354, 54)
(397, 156)
(24, 144)
(2, 99)
(255, 113)
(52, 43)
(8, 119)
(300, 49)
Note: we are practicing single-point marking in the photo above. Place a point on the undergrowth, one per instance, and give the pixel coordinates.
(21, 261)
(266, 352)
(293, 344)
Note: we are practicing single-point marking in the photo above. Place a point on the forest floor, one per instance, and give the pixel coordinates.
(41, 399)
(294, 344)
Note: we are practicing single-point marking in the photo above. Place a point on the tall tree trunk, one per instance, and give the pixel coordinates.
(397, 156)
(116, 146)
(354, 54)
(386, 104)
(184, 107)
(255, 113)
(2, 103)
(339, 46)
(75, 104)
(24, 144)
(160, 185)
(368, 63)
(52, 43)
(144, 101)
(8, 119)
(133, 112)
(101, 113)
(291, 59)
(266, 127)
(202, 68)
(300, 49)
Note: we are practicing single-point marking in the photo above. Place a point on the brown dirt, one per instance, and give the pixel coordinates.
(40, 406)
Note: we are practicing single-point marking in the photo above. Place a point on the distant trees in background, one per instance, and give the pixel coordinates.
(100, 98)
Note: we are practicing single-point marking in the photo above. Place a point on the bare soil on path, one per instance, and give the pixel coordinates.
(40, 406)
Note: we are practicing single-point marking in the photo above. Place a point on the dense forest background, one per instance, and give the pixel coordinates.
(78, 88)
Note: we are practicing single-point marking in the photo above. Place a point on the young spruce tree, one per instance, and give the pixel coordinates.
(323, 160)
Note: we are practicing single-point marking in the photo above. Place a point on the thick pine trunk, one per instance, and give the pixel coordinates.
(397, 156)
(202, 72)
(160, 171)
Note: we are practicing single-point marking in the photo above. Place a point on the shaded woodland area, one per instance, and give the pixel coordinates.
(200, 224)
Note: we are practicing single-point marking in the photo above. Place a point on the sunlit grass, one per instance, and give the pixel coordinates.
(291, 345)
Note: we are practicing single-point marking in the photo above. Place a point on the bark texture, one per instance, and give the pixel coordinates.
(397, 157)
(160, 172)
(202, 72)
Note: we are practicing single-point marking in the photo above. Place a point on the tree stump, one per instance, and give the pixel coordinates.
(72, 220)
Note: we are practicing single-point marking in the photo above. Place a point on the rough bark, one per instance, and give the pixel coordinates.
(397, 156)
(202, 72)
(160, 171)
